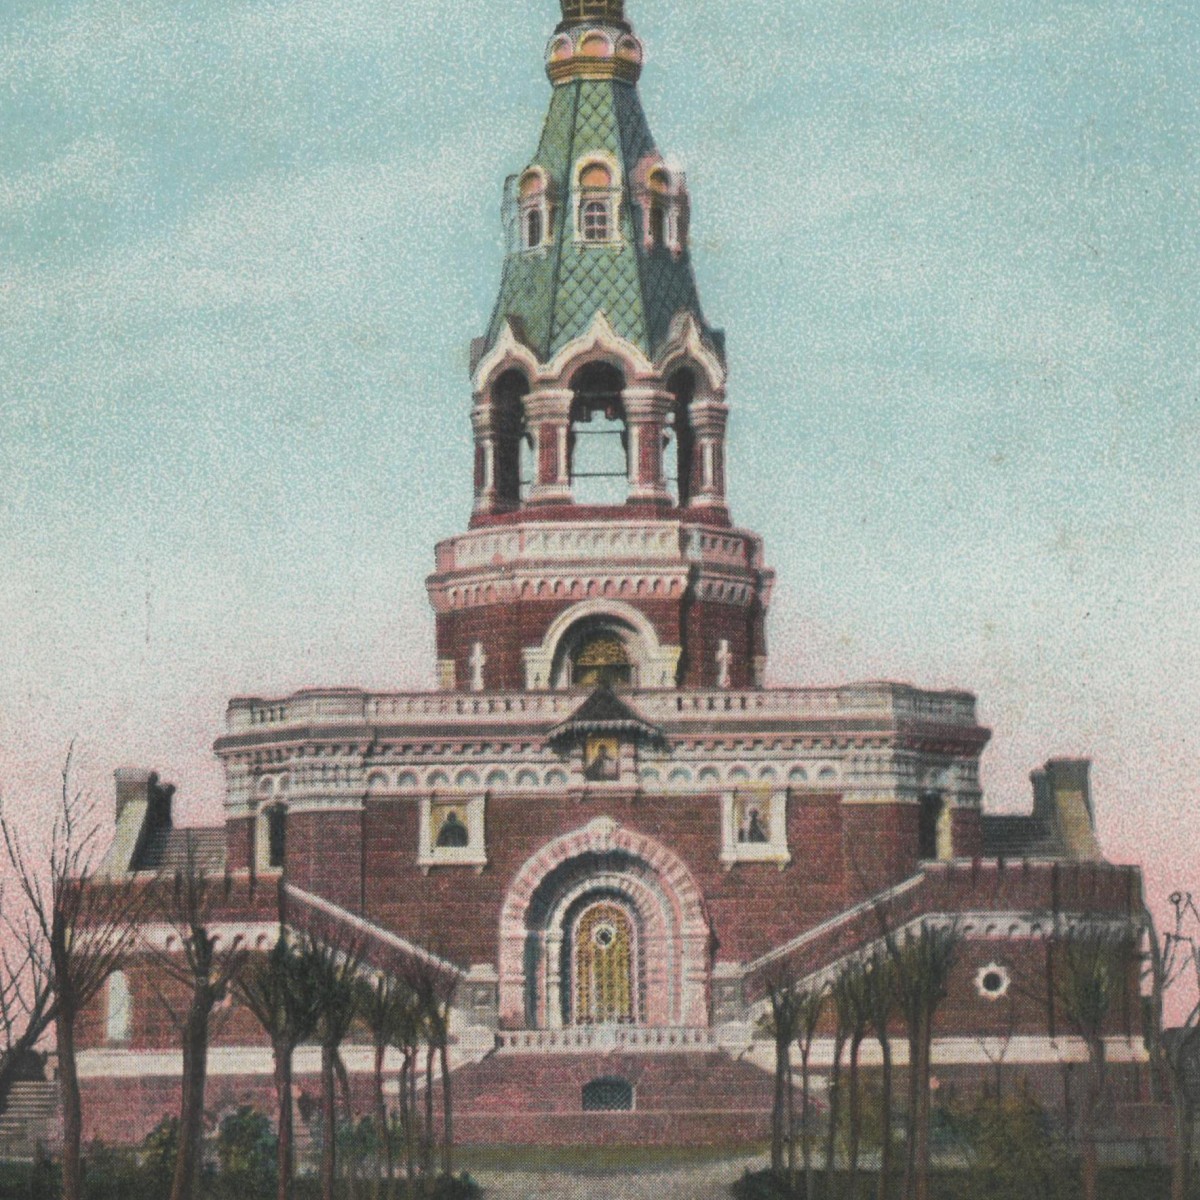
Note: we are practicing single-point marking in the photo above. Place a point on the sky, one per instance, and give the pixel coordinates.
(956, 250)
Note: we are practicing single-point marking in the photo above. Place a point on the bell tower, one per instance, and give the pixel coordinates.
(600, 543)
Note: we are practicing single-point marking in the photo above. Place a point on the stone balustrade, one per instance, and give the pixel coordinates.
(350, 708)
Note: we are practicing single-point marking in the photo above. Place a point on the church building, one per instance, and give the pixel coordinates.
(602, 822)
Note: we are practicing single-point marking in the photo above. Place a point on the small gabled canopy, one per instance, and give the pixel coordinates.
(604, 712)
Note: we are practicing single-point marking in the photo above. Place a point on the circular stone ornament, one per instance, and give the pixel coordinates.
(993, 981)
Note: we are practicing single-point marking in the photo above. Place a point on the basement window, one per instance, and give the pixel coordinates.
(608, 1094)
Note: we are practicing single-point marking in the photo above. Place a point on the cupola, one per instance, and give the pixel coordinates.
(581, 12)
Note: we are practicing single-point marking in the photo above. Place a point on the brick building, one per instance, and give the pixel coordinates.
(603, 823)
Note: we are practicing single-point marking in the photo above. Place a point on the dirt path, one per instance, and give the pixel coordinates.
(706, 1181)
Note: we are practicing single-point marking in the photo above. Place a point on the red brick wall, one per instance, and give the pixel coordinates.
(239, 843)
(325, 855)
(751, 907)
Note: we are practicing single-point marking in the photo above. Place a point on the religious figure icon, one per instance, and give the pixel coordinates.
(452, 832)
(601, 758)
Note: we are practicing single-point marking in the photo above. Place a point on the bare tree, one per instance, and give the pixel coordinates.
(810, 1006)
(78, 930)
(782, 1023)
(331, 968)
(434, 989)
(275, 988)
(1094, 973)
(922, 960)
(1176, 963)
(843, 1011)
(188, 902)
(879, 988)
(25, 994)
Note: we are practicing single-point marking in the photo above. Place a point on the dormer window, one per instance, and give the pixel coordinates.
(596, 191)
(664, 204)
(659, 189)
(534, 209)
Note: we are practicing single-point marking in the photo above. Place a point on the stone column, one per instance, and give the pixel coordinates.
(485, 455)
(646, 410)
(708, 415)
(548, 414)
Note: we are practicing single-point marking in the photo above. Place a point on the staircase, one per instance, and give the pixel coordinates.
(29, 1117)
(692, 1096)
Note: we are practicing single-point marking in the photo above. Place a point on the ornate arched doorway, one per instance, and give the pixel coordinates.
(601, 926)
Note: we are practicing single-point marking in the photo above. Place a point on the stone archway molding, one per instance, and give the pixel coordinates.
(679, 891)
(656, 664)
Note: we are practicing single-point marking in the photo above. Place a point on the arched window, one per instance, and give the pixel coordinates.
(534, 209)
(932, 827)
(533, 228)
(118, 1015)
(659, 187)
(276, 831)
(603, 960)
(596, 223)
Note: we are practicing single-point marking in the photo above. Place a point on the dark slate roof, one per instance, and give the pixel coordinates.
(604, 712)
(552, 295)
(1018, 837)
(167, 850)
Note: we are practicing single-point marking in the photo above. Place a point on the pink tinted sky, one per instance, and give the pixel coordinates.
(245, 248)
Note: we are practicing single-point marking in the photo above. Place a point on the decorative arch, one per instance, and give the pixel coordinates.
(649, 878)
(655, 663)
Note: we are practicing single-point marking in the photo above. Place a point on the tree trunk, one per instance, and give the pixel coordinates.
(921, 1190)
(406, 1117)
(285, 1150)
(855, 1109)
(427, 1141)
(914, 1105)
(191, 1108)
(72, 1105)
(1093, 1088)
(835, 1098)
(343, 1078)
(385, 1167)
(447, 1111)
(791, 1120)
(1181, 1162)
(885, 1120)
(805, 1119)
(777, 1105)
(328, 1124)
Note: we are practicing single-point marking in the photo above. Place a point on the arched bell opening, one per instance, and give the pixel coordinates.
(598, 442)
(681, 469)
(598, 652)
(511, 438)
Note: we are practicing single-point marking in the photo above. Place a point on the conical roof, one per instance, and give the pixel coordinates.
(551, 295)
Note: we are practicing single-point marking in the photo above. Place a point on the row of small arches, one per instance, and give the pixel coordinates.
(499, 778)
(568, 588)
(595, 43)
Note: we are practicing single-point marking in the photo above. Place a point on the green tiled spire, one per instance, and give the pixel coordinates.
(552, 294)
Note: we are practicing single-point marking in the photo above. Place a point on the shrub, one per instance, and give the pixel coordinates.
(158, 1152)
(246, 1150)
